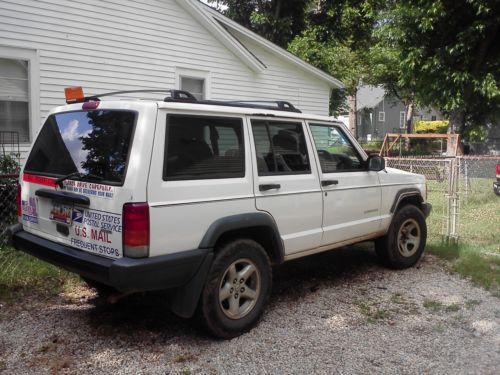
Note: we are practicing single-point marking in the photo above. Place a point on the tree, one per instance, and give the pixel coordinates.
(338, 40)
(449, 55)
(276, 20)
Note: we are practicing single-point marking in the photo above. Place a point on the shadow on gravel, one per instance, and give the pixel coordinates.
(293, 280)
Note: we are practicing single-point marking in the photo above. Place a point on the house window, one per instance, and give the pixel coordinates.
(14, 98)
(381, 116)
(197, 82)
(402, 118)
(195, 86)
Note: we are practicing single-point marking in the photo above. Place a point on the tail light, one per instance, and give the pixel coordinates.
(135, 230)
(18, 203)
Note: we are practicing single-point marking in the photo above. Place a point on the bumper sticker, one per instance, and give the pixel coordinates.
(96, 231)
(89, 188)
(29, 211)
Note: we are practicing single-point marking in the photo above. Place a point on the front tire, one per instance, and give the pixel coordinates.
(237, 289)
(404, 243)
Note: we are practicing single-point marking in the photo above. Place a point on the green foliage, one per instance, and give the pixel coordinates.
(434, 127)
(475, 134)
(336, 40)
(447, 55)
(8, 164)
(276, 20)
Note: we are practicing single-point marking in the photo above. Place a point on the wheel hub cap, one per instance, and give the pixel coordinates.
(409, 238)
(239, 289)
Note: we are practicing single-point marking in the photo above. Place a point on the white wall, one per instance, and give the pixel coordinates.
(106, 45)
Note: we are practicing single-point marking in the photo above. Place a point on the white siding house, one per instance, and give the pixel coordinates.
(111, 45)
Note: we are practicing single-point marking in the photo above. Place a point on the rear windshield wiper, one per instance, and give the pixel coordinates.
(79, 175)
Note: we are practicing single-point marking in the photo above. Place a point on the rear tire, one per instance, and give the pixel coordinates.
(237, 289)
(404, 243)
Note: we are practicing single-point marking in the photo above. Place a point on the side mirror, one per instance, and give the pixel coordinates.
(375, 163)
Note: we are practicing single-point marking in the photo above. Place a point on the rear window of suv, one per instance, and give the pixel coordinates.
(95, 143)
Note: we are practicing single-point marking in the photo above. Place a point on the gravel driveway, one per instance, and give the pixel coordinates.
(334, 313)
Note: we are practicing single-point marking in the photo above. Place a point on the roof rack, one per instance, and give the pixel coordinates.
(275, 105)
(181, 96)
(178, 95)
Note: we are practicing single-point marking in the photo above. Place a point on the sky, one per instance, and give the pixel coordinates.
(207, 2)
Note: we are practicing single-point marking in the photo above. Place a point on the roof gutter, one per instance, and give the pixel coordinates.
(273, 48)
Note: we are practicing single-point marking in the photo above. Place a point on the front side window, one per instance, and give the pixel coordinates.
(203, 147)
(95, 143)
(14, 103)
(280, 147)
(335, 151)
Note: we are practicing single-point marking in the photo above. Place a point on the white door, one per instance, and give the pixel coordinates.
(200, 172)
(286, 181)
(351, 193)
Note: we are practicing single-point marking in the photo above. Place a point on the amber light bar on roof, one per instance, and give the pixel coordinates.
(74, 94)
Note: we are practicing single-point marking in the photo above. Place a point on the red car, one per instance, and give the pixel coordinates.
(496, 185)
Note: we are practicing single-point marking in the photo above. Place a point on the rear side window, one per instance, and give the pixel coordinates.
(203, 147)
(96, 143)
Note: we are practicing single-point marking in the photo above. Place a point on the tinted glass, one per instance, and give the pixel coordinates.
(91, 142)
(336, 152)
(203, 148)
(280, 147)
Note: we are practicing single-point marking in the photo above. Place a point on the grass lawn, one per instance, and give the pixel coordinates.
(477, 254)
(22, 275)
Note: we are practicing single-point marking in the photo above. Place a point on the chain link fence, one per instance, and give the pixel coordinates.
(8, 213)
(451, 183)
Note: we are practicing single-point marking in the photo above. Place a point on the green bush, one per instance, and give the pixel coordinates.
(436, 127)
(8, 164)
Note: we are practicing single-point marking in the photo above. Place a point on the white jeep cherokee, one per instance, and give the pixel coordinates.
(203, 197)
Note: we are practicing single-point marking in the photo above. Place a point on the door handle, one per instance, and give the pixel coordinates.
(329, 182)
(266, 187)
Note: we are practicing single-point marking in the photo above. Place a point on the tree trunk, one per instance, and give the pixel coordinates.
(353, 115)
(457, 121)
(410, 108)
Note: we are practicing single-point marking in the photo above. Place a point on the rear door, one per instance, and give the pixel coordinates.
(95, 156)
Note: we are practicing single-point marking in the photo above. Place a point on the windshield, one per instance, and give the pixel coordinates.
(89, 142)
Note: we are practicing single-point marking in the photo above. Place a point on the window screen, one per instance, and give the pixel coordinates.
(280, 147)
(336, 153)
(195, 86)
(14, 93)
(199, 147)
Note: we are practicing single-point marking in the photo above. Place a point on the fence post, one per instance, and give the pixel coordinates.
(454, 200)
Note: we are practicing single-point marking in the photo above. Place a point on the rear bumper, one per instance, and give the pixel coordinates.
(426, 209)
(125, 274)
